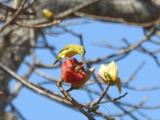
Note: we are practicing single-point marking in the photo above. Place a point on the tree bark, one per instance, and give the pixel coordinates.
(136, 12)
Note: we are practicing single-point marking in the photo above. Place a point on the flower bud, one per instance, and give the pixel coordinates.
(109, 74)
(73, 72)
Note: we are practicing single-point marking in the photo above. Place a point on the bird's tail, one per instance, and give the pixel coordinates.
(55, 61)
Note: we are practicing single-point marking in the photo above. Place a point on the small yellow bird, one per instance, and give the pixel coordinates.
(48, 14)
(69, 51)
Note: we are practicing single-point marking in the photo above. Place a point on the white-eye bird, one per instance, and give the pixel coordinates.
(69, 51)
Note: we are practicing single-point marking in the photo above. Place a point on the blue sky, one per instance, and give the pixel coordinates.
(36, 107)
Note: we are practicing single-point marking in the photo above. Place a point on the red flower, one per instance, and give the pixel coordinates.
(73, 72)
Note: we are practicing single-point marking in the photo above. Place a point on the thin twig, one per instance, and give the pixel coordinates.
(14, 16)
(100, 97)
(74, 102)
(115, 99)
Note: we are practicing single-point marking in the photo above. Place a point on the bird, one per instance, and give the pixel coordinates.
(69, 51)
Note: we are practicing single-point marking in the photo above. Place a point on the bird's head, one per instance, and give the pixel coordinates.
(82, 51)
